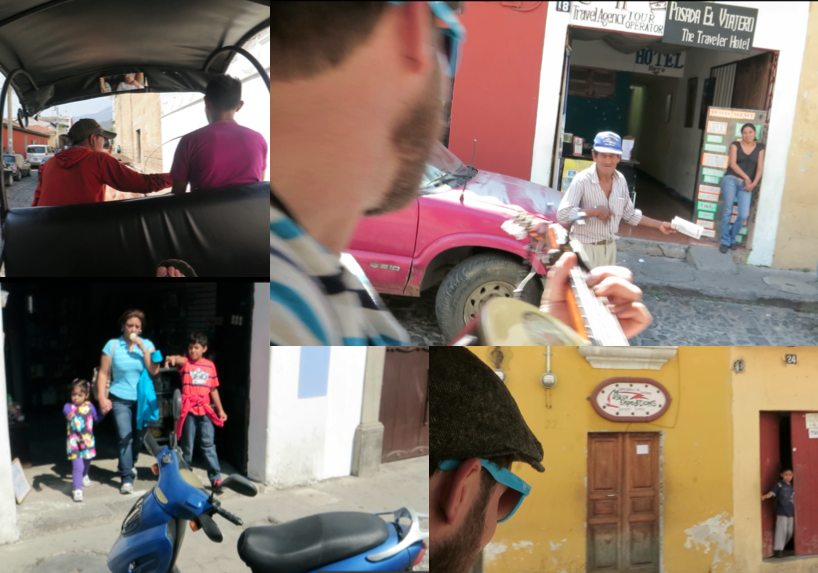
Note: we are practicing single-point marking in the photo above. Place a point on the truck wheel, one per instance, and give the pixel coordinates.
(18, 176)
(475, 280)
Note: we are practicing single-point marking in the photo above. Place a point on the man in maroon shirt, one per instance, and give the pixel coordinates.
(223, 153)
(79, 174)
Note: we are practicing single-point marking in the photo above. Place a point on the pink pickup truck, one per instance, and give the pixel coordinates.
(450, 235)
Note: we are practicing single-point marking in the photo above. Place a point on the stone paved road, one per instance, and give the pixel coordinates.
(687, 320)
(679, 320)
(21, 193)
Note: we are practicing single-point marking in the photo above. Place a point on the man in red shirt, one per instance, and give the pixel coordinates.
(79, 174)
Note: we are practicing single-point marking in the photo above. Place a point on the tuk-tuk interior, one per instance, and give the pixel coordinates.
(60, 51)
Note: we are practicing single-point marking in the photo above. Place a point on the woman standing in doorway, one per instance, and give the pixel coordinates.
(122, 362)
(741, 179)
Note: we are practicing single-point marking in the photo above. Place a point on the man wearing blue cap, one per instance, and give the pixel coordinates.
(601, 192)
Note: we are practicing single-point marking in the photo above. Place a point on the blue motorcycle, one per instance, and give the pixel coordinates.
(152, 533)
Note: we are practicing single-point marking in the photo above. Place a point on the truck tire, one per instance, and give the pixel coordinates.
(473, 281)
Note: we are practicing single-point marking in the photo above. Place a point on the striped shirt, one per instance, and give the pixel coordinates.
(586, 193)
(320, 299)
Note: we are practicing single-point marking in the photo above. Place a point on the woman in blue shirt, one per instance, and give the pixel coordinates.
(122, 362)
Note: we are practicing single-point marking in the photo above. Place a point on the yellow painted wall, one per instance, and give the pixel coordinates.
(767, 384)
(796, 245)
(548, 533)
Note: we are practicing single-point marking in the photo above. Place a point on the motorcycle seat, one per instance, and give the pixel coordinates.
(310, 542)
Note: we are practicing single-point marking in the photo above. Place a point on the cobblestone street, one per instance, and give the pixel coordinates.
(678, 320)
(21, 193)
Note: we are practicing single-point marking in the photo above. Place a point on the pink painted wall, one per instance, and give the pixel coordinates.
(496, 86)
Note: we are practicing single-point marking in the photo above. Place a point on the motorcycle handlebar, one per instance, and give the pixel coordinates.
(150, 443)
(210, 528)
(227, 515)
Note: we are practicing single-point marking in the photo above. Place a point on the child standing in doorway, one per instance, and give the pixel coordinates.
(80, 446)
(784, 511)
(199, 386)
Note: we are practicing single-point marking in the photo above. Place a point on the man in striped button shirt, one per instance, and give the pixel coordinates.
(601, 192)
(356, 107)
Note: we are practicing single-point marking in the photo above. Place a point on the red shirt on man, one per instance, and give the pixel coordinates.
(79, 175)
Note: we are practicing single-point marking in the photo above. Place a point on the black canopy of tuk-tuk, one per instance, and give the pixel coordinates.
(64, 46)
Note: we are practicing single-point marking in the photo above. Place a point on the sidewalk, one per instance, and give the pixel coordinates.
(703, 270)
(60, 536)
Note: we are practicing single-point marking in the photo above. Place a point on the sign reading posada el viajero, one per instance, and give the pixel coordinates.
(710, 25)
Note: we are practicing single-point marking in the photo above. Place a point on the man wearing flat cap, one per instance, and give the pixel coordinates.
(601, 192)
(80, 173)
(477, 431)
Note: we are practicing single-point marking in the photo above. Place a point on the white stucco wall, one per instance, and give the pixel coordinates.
(311, 438)
(8, 505)
(258, 431)
(773, 18)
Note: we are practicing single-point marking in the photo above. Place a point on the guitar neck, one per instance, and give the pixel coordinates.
(601, 326)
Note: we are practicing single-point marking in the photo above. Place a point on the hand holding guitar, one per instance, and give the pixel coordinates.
(613, 283)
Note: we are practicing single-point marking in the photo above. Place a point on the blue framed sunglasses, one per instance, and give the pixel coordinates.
(516, 488)
(453, 35)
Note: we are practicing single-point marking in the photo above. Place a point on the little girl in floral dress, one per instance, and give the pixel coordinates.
(80, 446)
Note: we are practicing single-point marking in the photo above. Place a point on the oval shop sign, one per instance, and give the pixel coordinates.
(630, 399)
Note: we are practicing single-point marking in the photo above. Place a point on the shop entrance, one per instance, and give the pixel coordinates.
(623, 502)
(656, 96)
(790, 440)
(55, 332)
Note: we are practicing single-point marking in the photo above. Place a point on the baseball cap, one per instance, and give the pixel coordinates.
(83, 128)
(472, 413)
(608, 142)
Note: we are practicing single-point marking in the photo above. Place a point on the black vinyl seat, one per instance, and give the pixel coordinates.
(219, 233)
(311, 542)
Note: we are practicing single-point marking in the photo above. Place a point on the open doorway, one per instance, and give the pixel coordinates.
(55, 332)
(789, 440)
(656, 96)
(776, 455)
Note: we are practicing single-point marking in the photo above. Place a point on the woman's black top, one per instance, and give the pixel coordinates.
(748, 163)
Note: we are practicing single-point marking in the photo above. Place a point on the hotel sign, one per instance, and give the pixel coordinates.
(630, 399)
(710, 25)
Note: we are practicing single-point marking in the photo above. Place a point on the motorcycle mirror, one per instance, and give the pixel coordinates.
(240, 484)
(151, 444)
(22, 117)
(177, 404)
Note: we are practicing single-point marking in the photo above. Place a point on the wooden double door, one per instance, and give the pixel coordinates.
(623, 502)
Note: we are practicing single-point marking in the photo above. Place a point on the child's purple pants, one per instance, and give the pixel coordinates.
(79, 468)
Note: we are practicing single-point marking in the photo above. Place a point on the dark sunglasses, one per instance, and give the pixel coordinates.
(451, 36)
(516, 488)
